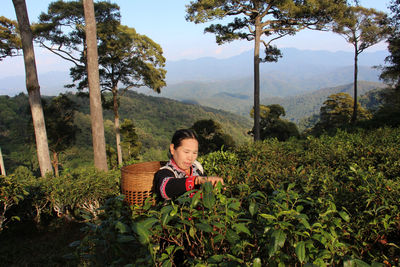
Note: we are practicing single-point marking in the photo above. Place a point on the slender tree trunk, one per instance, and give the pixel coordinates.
(354, 117)
(2, 168)
(96, 110)
(32, 85)
(257, 80)
(116, 125)
(55, 163)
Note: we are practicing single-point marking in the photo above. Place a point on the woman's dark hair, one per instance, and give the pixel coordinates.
(182, 134)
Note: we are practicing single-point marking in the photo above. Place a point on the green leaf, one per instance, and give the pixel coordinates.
(355, 263)
(279, 238)
(301, 251)
(253, 208)
(257, 262)
(216, 259)
(192, 232)
(241, 228)
(204, 227)
(195, 199)
(232, 237)
(208, 200)
(268, 216)
(123, 228)
(344, 216)
(167, 263)
(165, 219)
(149, 222)
(142, 232)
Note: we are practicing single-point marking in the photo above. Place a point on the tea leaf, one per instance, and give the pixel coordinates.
(142, 232)
(301, 251)
(344, 216)
(123, 228)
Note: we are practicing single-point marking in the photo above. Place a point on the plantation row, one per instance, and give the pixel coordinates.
(331, 200)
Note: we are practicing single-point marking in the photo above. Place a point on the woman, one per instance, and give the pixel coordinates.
(182, 173)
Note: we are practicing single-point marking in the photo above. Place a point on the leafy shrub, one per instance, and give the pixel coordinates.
(324, 201)
(11, 193)
(80, 192)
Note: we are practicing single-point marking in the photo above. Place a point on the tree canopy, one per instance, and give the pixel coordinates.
(391, 72)
(261, 22)
(362, 27)
(337, 111)
(211, 136)
(272, 126)
(125, 57)
(10, 41)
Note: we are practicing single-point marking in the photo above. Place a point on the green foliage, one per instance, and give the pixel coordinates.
(10, 41)
(79, 193)
(130, 141)
(272, 126)
(158, 116)
(60, 127)
(321, 201)
(211, 136)
(337, 111)
(11, 193)
(391, 72)
(362, 27)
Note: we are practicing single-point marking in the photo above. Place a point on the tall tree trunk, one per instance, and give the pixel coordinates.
(257, 80)
(32, 85)
(354, 117)
(116, 125)
(2, 168)
(96, 110)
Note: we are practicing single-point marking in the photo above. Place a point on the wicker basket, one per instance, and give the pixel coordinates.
(137, 181)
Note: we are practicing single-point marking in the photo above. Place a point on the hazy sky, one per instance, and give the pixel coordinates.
(164, 22)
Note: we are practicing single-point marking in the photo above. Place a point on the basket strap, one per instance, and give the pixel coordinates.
(168, 168)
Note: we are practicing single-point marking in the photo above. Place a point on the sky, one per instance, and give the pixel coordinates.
(164, 22)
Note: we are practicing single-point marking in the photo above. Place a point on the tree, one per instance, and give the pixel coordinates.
(96, 111)
(362, 27)
(391, 73)
(272, 126)
(254, 19)
(60, 114)
(129, 59)
(130, 141)
(32, 85)
(211, 136)
(337, 111)
(125, 57)
(10, 41)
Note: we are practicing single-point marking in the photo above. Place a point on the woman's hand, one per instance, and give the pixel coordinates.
(212, 179)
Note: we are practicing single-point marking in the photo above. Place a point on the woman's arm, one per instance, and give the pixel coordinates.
(167, 186)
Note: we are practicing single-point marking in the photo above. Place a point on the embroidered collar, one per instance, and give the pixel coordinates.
(179, 169)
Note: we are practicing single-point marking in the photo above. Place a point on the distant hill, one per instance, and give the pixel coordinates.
(307, 104)
(297, 63)
(237, 95)
(297, 71)
(155, 118)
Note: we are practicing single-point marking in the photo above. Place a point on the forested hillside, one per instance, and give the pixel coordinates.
(155, 120)
(308, 104)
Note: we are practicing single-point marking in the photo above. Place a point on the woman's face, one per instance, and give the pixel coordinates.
(186, 153)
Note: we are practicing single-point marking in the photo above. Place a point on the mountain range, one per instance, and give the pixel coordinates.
(227, 84)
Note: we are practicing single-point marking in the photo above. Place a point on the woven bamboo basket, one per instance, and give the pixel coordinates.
(137, 181)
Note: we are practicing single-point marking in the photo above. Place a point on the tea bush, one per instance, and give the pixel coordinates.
(11, 194)
(74, 195)
(331, 200)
